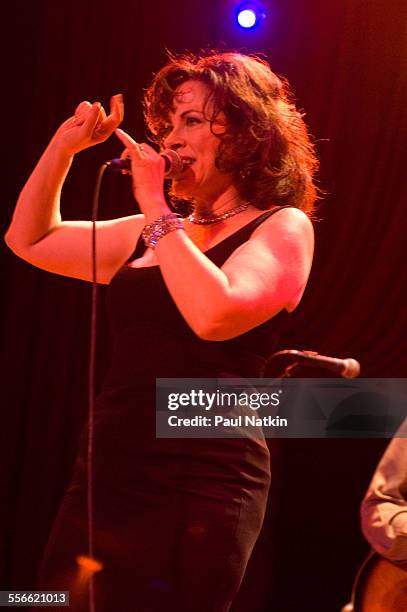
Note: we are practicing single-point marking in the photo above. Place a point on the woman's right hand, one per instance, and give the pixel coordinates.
(89, 126)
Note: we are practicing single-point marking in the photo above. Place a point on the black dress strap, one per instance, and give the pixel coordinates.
(268, 213)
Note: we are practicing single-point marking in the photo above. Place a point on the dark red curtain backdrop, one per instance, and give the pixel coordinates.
(346, 61)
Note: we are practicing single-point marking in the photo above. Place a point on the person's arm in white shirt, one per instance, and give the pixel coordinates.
(384, 507)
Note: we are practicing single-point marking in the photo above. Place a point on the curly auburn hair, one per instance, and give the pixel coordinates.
(266, 145)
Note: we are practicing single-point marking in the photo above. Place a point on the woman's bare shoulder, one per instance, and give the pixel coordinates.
(287, 224)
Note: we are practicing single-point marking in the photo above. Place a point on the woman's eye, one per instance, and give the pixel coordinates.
(192, 120)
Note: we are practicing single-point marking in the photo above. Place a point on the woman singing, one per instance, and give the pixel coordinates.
(175, 521)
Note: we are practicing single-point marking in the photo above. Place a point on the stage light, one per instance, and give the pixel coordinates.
(246, 18)
(249, 15)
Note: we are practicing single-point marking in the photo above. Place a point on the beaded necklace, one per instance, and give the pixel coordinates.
(218, 218)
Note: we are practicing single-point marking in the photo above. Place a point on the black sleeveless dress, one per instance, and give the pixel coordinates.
(175, 520)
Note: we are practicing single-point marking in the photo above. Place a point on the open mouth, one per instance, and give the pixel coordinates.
(187, 161)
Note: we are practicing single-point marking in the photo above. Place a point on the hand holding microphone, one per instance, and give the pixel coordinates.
(174, 165)
(148, 170)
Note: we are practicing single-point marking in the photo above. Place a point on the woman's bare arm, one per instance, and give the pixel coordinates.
(263, 276)
(37, 233)
(67, 247)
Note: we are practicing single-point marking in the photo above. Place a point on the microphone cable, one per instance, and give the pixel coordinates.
(91, 390)
(174, 164)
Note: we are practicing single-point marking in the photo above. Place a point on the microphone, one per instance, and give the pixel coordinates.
(347, 368)
(174, 165)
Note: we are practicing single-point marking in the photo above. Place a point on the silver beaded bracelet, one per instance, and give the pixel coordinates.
(165, 224)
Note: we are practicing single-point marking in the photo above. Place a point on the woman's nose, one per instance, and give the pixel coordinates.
(173, 141)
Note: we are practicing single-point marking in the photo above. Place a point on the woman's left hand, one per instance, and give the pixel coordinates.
(147, 169)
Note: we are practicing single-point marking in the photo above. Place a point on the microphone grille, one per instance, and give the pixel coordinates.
(175, 165)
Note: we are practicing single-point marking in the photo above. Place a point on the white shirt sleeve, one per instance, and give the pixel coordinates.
(384, 507)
